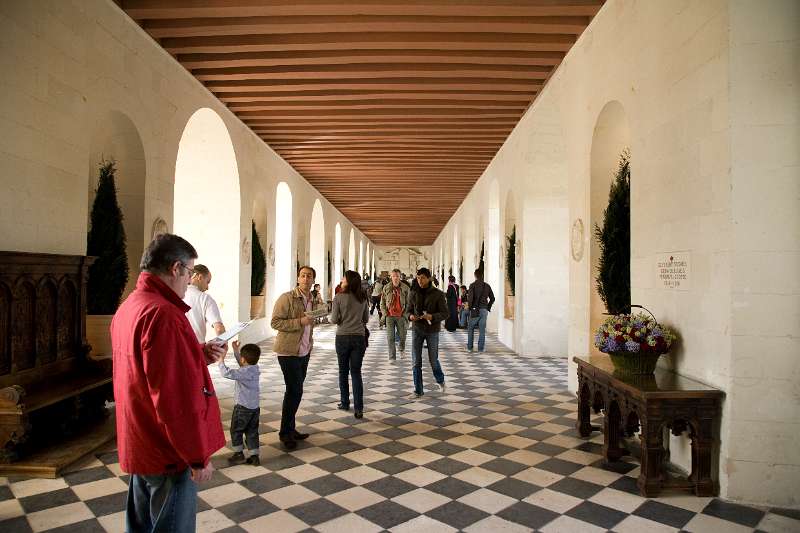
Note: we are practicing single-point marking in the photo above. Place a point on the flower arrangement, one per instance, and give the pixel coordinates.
(633, 333)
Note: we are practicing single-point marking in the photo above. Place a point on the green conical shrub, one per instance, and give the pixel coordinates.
(511, 258)
(259, 271)
(614, 239)
(106, 241)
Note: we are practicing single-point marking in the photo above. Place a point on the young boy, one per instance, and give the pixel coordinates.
(246, 411)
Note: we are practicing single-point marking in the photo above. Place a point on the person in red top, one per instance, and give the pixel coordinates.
(394, 300)
(168, 418)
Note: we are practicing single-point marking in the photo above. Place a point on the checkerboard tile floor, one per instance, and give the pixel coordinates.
(496, 452)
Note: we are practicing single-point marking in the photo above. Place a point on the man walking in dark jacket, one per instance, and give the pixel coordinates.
(427, 308)
(481, 299)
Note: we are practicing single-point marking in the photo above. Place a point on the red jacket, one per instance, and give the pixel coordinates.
(167, 410)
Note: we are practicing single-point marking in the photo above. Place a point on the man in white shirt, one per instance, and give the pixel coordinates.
(203, 307)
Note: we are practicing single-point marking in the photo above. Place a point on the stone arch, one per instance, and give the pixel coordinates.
(115, 137)
(337, 261)
(284, 258)
(316, 243)
(611, 136)
(207, 205)
(493, 241)
(510, 225)
(351, 251)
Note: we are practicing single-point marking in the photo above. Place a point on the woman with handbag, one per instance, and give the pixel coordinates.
(350, 313)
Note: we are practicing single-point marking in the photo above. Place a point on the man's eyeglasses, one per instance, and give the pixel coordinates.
(191, 270)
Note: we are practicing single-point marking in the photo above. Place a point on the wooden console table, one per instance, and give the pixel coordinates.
(650, 403)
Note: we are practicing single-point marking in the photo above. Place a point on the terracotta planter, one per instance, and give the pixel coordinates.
(257, 306)
(635, 364)
(98, 335)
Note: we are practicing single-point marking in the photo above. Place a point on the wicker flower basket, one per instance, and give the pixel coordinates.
(632, 363)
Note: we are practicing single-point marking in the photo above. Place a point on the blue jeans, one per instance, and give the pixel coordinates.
(479, 322)
(417, 338)
(396, 330)
(463, 317)
(161, 503)
(350, 353)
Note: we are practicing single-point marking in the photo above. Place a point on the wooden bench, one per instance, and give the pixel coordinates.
(50, 389)
(649, 404)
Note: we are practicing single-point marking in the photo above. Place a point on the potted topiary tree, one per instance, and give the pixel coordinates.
(511, 272)
(109, 272)
(257, 276)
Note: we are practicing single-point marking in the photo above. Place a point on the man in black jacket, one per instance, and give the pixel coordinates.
(426, 309)
(480, 298)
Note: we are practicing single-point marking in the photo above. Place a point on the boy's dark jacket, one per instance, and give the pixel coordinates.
(429, 300)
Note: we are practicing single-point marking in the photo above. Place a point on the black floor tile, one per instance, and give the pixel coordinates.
(504, 466)
(247, 509)
(15, 525)
(392, 465)
(528, 515)
(265, 483)
(389, 487)
(451, 487)
(457, 515)
(576, 487)
(110, 504)
(665, 514)
(448, 466)
(599, 515)
(86, 526)
(746, 516)
(494, 449)
(88, 475)
(626, 484)
(559, 466)
(317, 511)
(514, 488)
(387, 514)
(326, 485)
(47, 500)
(335, 464)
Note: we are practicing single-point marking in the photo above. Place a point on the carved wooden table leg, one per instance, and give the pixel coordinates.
(583, 424)
(651, 474)
(612, 433)
(702, 443)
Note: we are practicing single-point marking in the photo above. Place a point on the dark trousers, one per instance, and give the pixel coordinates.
(294, 374)
(350, 353)
(161, 503)
(376, 302)
(244, 422)
(432, 340)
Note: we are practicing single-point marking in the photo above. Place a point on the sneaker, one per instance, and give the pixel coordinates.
(470, 350)
(442, 387)
(343, 407)
(254, 460)
(359, 414)
(236, 459)
(414, 396)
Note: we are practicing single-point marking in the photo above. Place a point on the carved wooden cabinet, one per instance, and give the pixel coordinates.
(48, 385)
(648, 405)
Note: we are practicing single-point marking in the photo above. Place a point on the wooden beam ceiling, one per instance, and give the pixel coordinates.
(391, 109)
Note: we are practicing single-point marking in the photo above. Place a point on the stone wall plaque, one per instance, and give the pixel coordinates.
(159, 227)
(673, 271)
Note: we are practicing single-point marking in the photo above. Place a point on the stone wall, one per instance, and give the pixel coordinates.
(704, 94)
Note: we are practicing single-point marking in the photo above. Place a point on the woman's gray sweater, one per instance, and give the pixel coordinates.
(349, 314)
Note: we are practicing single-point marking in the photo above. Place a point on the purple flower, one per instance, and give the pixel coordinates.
(611, 345)
(631, 346)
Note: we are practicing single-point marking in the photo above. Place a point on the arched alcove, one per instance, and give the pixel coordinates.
(284, 258)
(351, 254)
(208, 205)
(510, 238)
(259, 220)
(456, 252)
(610, 138)
(493, 244)
(317, 243)
(337, 262)
(360, 257)
(115, 137)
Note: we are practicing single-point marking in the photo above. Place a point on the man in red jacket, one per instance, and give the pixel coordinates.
(168, 420)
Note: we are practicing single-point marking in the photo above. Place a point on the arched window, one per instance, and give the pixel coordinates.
(283, 239)
(317, 243)
(337, 263)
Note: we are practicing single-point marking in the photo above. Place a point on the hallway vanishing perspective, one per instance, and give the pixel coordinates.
(497, 452)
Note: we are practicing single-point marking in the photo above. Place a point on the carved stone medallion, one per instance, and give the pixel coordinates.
(247, 250)
(271, 254)
(576, 239)
(159, 227)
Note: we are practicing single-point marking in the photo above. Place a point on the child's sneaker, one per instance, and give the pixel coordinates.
(254, 460)
(236, 459)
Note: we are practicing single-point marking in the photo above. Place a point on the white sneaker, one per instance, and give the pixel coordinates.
(442, 387)
(414, 396)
